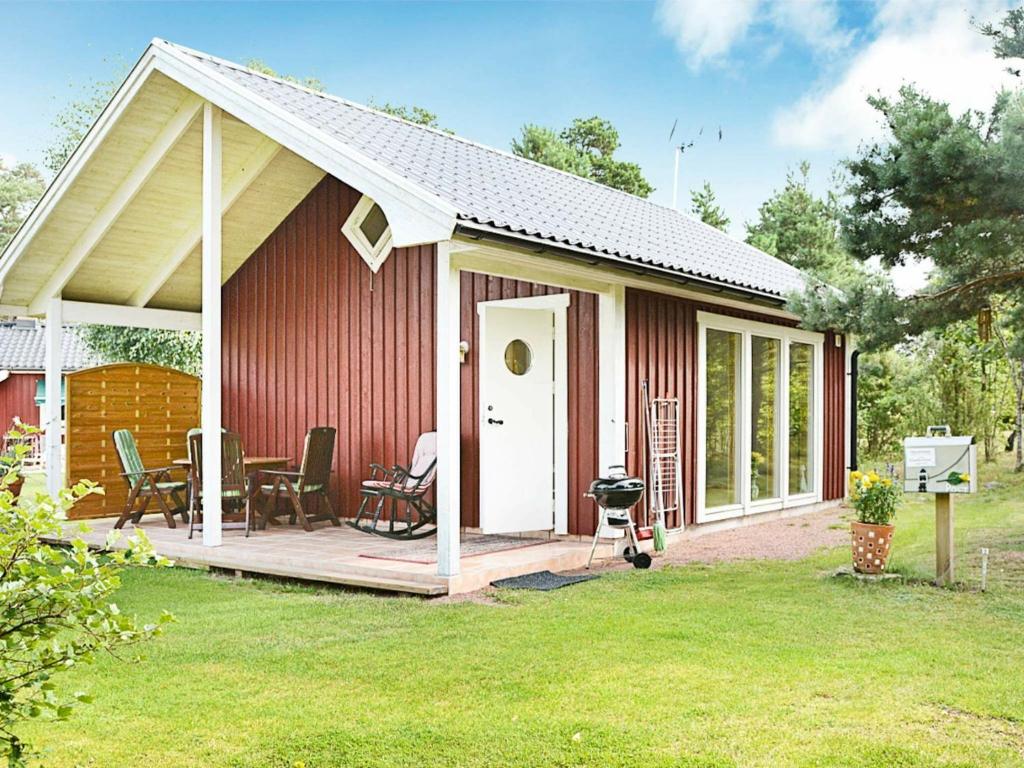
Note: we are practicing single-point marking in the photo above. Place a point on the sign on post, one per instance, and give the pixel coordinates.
(944, 464)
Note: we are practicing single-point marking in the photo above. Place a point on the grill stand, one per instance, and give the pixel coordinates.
(602, 521)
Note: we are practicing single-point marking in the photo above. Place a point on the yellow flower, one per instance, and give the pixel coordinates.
(866, 485)
(873, 476)
(887, 482)
(965, 477)
(856, 475)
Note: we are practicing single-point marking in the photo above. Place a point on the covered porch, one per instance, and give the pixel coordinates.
(181, 181)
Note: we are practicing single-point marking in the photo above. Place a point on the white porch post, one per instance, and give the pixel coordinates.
(52, 425)
(611, 318)
(448, 402)
(211, 416)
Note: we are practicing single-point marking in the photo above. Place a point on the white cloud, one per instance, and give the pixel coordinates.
(705, 30)
(930, 44)
(8, 161)
(816, 23)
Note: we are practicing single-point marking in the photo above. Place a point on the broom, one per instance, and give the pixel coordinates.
(660, 540)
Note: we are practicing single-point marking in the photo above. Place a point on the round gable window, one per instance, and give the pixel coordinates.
(518, 357)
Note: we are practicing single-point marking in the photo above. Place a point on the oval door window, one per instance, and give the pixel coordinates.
(518, 357)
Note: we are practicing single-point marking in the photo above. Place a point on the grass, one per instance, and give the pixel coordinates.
(744, 664)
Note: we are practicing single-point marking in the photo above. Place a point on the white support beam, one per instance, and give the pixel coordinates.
(240, 181)
(449, 505)
(131, 317)
(122, 196)
(611, 320)
(52, 414)
(211, 416)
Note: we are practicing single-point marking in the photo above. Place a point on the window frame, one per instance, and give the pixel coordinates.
(786, 335)
(373, 255)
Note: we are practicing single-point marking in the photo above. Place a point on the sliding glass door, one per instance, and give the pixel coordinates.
(765, 359)
(801, 409)
(758, 425)
(722, 485)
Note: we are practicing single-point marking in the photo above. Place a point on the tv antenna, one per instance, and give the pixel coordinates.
(678, 150)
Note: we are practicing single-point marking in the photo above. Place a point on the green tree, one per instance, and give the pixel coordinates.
(704, 205)
(1007, 37)
(802, 229)
(258, 65)
(586, 148)
(175, 349)
(20, 187)
(57, 609)
(412, 114)
(945, 191)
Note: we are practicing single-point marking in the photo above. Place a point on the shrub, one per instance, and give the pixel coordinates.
(56, 608)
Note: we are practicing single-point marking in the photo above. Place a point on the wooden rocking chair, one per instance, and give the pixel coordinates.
(405, 487)
(299, 488)
(144, 485)
(235, 501)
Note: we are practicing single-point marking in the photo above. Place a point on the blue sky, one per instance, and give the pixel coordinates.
(784, 79)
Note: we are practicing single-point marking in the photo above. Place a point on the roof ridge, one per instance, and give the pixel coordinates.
(445, 134)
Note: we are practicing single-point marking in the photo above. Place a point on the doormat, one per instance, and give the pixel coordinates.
(543, 581)
(425, 550)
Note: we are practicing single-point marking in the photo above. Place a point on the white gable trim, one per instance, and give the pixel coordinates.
(415, 215)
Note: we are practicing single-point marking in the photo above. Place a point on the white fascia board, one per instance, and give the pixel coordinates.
(130, 317)
(77, 161)
(415, 215)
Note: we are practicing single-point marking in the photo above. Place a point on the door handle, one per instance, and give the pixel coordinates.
(499, 422)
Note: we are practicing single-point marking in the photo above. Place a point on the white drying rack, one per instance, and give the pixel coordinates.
(665, 494)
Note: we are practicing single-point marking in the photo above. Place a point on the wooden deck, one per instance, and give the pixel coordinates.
(343, 555)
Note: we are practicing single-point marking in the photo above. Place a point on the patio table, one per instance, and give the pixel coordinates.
(252, 463)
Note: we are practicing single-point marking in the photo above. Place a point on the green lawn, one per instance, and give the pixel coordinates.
(751, 664)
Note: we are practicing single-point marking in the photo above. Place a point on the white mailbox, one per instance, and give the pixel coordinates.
(940, 462)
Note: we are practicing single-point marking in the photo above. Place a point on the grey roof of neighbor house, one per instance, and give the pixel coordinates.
(23, 347)
(496, 189)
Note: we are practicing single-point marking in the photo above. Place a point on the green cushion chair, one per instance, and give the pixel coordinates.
(145, 485)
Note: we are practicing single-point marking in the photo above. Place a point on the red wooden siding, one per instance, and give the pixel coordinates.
(18, 398)
(661, 346)
(583, 399)
(834, 477)
(310, 338)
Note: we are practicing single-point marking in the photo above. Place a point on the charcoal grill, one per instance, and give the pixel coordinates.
(616, 494)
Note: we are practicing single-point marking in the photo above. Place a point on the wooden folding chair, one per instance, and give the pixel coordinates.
(145, 485)
(235, 497)
(298, 489)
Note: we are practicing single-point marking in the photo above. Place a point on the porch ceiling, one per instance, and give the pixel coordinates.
(149, 254)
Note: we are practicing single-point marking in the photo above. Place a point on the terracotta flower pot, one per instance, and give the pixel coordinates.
(870, 545)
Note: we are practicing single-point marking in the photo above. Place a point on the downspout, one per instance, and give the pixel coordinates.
(854, 356)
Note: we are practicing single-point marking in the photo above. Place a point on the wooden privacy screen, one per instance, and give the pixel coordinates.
(159, 405)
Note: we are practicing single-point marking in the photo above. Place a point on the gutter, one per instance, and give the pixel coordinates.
(854, 358)
(476, 231)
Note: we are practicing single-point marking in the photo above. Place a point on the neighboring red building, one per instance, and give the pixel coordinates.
(22, 364)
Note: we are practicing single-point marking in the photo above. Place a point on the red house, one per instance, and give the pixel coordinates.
(352, 269)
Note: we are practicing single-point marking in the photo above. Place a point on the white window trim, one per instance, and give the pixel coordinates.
(747, 329)
(373, 255)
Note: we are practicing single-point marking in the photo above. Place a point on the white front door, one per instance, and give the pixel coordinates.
(517, 416)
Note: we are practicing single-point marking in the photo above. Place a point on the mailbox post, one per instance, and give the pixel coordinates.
(943, 464)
